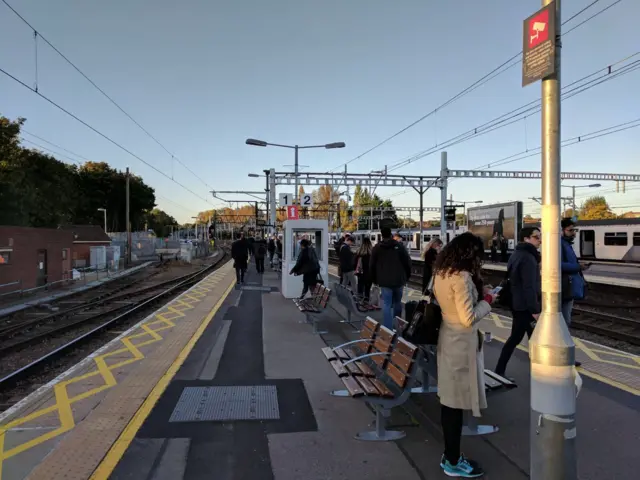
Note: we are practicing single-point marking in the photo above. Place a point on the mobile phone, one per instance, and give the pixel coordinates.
(496, 290)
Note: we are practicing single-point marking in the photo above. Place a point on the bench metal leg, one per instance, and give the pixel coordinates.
(315, 328)
(471, 427)
(380, 434)
(427, 384)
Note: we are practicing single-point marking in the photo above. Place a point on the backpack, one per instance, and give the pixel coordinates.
(425, 320)
(262, 250)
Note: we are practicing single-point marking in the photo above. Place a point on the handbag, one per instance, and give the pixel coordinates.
(424, 325)
(319, 279)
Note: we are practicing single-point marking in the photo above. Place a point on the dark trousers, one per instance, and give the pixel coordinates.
(452, 431)
(364, 286)
(260, 265)
(309, 280)
(240, 274)
(522, 323)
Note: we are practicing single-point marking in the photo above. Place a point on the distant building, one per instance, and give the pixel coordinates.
(630, 215)
(85, 237)
(33, 257)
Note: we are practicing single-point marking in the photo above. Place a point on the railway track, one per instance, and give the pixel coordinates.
(97, 316)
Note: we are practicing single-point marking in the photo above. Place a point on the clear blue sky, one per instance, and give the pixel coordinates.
(203, 75)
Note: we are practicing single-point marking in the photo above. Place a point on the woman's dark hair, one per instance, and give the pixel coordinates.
(462, 254)
(304, 242)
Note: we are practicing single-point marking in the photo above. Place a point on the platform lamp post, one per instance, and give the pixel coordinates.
(573, 194)
(104, 210)
(261, 143)
(272, 228)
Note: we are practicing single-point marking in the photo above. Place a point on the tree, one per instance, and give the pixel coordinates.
(160, 222)
(37, 190)
(596, 208)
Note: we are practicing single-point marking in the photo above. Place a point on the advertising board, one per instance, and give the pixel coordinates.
(505, 219)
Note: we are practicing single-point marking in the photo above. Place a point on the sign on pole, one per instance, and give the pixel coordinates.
(539, 45)
(285, 199)
(292, 212)
(306, 200)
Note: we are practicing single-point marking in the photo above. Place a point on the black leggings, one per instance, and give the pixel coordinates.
(309, 280)
(364, 286)
(452, 430)
(522, 323)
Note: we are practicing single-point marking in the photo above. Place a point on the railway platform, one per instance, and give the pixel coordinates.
(230, 383)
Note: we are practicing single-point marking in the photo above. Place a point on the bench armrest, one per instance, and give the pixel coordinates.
(351, 343)
(366, 355)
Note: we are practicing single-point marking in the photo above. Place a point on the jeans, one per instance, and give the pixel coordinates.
(260, 264)
(349, 280)
(566, 311)
(521, 324)
(451, 419)
(391, 304)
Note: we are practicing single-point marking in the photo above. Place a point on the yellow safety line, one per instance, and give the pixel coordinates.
(64, 402)
(120, 446)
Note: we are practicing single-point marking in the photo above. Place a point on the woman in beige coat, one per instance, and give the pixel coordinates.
(460, 359)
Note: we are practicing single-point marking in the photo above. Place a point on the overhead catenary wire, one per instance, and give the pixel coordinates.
(109, 139)
(499, 70)
(107, 96)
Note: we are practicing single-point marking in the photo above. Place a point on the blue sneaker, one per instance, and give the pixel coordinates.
(464, 468)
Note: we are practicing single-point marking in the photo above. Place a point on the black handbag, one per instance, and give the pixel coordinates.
(424, 322)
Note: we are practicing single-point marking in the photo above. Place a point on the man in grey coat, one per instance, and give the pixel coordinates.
(524, 279)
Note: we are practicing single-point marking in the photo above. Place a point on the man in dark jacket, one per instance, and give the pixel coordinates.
(240, 254)
(524, 280)
(390, 269)
(347, 263)
(337, 246)
(259, 252)
(573, 283)
(271, 248)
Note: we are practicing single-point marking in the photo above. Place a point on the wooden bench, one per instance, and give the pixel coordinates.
(380, 374)
(428, 364)
(315, 307)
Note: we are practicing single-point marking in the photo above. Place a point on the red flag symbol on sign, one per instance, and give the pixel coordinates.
(292, 212)
(539, 29)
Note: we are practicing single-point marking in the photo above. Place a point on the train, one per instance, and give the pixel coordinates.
(607, 240)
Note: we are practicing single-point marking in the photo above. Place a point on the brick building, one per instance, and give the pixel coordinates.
(34, 256)
(85, 237)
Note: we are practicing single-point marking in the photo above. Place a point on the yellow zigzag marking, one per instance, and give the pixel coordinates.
(150, 330)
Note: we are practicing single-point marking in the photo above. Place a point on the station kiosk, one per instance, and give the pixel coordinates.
(317, 232)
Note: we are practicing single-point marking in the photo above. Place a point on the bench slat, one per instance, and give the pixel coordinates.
(400, 360)
(397, 375)
(368, 387)
(406, 348)
(353, 387)
(371, 324)
(338, 368)
(353, 369)
(367, 371)
(333, 355)
(382, 388)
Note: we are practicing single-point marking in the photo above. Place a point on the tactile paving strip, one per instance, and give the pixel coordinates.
(202, 404)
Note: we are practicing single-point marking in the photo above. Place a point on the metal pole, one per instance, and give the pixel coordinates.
(267, 205)
(574, 201)
(295, 167)
(272, 191)
(552, 351)
(443, 196)
(127, 219)
(105, 220)
(419, 242)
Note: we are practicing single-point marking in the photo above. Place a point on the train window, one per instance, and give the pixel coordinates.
(616, 239)
(636, 239)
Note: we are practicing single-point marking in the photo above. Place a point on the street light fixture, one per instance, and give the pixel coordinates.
(262, 143)
(573, 188)
(105, 218)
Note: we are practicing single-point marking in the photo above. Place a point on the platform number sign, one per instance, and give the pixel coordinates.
(285, 199)
(292, 212)
(306, 200)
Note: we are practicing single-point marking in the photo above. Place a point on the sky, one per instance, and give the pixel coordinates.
(203, 75)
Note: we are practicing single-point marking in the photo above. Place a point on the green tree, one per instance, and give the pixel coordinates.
(160, 222)
(596, 208)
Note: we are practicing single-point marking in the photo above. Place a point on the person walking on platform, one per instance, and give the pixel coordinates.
(240, 254)
(260, 251)
(523, 273)
(573, 282)
(306, 265)
(363, 268)
(337, 246)
(250, 242)
(464, 302)
(429, 255)
(271, 248)
(347, 264)
(390, 269)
